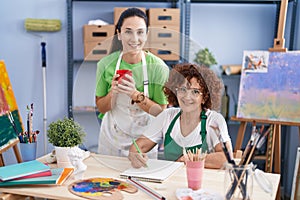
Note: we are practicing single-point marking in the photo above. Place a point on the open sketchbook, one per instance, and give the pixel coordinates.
(157, 171)
(58, 177)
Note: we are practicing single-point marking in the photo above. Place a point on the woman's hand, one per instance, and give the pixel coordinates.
(114, 84)
(181, 159)
(127, 85)
(138, 160)
(107, 102)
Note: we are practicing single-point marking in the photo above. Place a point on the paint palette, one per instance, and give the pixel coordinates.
(101, 188)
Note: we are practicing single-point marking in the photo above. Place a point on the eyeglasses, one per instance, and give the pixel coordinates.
(194, 91)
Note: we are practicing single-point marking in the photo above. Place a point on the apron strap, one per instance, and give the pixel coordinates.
(168, 138)
(145, 73)
(203, 131)
(119, 61)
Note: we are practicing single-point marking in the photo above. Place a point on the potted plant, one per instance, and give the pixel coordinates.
(205, 57)
(65, 134)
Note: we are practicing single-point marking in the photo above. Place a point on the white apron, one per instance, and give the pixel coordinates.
(124, 122)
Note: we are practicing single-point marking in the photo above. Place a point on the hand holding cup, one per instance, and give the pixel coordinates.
(121, 73)
(126, 82)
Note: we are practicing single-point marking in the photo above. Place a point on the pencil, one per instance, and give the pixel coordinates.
(146, 189)
(138, 149)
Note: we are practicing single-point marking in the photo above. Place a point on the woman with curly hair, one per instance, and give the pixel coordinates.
(192, 123)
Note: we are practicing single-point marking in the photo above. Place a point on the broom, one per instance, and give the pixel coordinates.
(43, 25)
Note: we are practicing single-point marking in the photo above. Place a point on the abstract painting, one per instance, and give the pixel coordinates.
(8, 105)
(270, 86)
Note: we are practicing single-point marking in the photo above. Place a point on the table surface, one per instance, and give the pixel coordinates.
(107, 166)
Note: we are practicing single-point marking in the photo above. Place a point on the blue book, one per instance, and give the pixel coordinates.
(58, 177)
(18, 170)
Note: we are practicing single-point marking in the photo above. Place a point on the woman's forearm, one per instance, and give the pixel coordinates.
(151, 107)
(215, 160)
(106, 103)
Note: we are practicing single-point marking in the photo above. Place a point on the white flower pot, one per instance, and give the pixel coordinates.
(62, 157)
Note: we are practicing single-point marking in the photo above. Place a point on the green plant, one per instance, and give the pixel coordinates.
(205, 57)
(65, 133)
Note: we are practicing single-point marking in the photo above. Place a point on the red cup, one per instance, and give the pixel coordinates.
(194, 171)
(122, 73)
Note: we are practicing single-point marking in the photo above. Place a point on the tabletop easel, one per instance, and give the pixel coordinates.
(14, 145)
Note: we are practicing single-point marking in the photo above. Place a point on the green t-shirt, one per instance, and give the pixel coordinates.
(158, 73)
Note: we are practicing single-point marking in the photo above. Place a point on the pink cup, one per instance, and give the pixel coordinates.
(122, 73)
(194, 170)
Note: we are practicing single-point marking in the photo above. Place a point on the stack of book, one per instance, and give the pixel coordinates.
(32, 173)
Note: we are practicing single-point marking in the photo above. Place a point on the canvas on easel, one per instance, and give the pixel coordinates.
(270, 86)
(8, 104)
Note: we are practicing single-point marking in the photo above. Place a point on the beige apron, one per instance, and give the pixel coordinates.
(124, 122)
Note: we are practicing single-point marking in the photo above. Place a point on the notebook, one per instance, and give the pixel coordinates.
(157, 171)
(58, 177)
(39, 174)
(18, 170)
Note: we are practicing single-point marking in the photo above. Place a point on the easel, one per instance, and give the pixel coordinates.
(8, 140)
(274, 142)
(280, 41)
(274, 139)
(16, 151)
(278, 47)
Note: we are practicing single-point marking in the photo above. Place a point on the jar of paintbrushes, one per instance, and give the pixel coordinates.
(28, 139)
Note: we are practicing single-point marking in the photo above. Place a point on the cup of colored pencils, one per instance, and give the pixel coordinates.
(194, 168)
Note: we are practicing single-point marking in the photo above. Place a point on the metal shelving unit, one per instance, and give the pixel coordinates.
(188, 4)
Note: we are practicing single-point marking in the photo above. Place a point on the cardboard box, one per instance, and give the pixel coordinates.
(95, 50)
(166, 51)
(164, 16)
(164, 34)
(97, 33)
(118, 11)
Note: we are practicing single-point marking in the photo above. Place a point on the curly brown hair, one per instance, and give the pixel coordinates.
(211, 86)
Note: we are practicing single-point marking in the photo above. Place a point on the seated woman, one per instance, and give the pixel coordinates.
(191, 124)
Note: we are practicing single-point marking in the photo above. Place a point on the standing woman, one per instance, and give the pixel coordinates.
(129, 104)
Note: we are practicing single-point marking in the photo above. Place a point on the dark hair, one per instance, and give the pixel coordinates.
(130, 12)
(211, 86)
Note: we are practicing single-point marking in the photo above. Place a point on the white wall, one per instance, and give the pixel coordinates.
(21, 51)
(229, 29)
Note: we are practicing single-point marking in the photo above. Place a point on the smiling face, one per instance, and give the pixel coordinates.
(190, 96)
(133, 34)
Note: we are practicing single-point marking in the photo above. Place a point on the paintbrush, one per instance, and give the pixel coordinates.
(12, 122)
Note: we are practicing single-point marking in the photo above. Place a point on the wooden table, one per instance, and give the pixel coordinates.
(107, 166)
